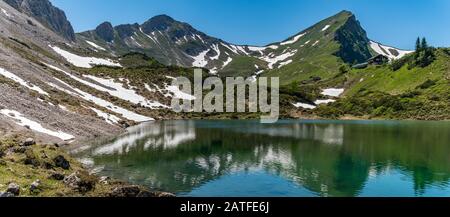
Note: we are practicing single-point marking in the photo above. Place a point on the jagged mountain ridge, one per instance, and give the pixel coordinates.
(176, 43)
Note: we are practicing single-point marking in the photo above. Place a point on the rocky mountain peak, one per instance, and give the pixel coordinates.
(158, 23)
(105, 31)
(353, 40)
(49, 15)
(127, 30)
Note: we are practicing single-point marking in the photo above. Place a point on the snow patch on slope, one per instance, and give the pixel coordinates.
(22, 82)
(325, 28)
(388, 51)
(292, 41)
(272, 59)
(95, 45)
(100, 102)
(114, 89)
(304, 105)
(83, 62)
(22, 121)
(333, 92)
(325, 101)
(5, 13)
(119, 91)
(200, 59)
(110, 119)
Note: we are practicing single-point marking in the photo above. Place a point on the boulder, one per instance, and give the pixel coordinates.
(80, 181)
(29, 142)
(34, 187)
(126, 191)
(30, 158)
(164, 194)
(56, 176)
(6, 194)
(104, 180)
(14, 189)
(60, 161)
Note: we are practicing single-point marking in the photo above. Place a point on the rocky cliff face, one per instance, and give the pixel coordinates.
(105, 31)
(49, 15)
(354, 42)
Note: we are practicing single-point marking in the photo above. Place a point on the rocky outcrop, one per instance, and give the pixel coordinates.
(49, 15)
(353, 40)
(105, 31)
(56, 181)
(61, 162)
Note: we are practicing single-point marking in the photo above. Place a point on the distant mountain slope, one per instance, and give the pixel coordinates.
(169, 41)
(318, 51)
(49, 15)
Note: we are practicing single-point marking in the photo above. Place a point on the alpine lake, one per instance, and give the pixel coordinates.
(291, 158)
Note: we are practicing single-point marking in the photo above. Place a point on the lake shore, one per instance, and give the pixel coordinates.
(28, 169)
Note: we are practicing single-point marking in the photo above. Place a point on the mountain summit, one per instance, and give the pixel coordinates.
(334, 41)
(49, 15)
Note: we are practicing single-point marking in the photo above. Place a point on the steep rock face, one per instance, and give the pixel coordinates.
(354, 42)
(105, 31)
(127, 30)
(47, 14)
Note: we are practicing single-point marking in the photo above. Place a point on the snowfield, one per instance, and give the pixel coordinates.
(325, 28)
(272, 60)
(229, 60)
(386, 51)
(316, 43)
(304, 105)
(100, 102)
(178, 94)
(326, 101)
(84, 62)
(35, 126)
(284, 63)
(22, 82)
(95, 45)
(333, 92)
(119, 91)
(200, 59)
(114, 89)
(295, 39)
(215, 47)
(110, 119)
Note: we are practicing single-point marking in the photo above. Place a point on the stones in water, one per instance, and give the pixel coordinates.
(60, 161)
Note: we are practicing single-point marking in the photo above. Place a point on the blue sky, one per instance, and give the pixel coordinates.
(259, 22)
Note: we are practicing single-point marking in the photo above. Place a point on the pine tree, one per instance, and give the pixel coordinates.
(418, 45)
(424, 44)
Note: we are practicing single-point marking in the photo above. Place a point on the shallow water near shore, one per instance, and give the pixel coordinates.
(291, 158)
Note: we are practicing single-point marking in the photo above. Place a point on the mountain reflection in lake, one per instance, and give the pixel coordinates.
(289, 158)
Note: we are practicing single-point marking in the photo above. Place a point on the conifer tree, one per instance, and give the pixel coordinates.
(424, 45)
(418, 45)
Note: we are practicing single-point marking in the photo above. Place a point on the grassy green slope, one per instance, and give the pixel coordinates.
(380, 92)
